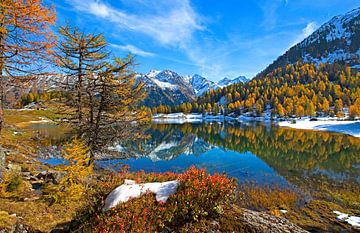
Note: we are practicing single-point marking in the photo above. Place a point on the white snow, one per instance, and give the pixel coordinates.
(326, 124)
(164, 84)
(130, 189)
(334, 56)
(118, 148)
(41, 120)
(153, 73)
(177, 118)
(352, 220)
(162, 146)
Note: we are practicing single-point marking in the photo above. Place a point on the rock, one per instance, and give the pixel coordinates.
(51, 176)
(29, 199)
(2, 162)
(14, 167)
(263, 222)
(37, 184)
(130, 189)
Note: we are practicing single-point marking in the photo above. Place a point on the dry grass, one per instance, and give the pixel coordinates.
(6, 221)
(267, 198)
(38, 214)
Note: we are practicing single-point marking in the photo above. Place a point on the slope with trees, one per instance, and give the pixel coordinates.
(301, 89)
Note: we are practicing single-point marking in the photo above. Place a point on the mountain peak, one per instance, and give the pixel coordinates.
(226, 81)
(335, 41)
(153, 73)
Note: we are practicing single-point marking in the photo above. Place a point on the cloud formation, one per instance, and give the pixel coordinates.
(174, 26)
(307, 31)
(133, 49)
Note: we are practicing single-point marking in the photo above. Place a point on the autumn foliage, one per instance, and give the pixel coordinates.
(78, 168)
(25, 40)
(199, 196)
(299, 89)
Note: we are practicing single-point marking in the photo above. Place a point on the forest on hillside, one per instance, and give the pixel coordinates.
(301, 89)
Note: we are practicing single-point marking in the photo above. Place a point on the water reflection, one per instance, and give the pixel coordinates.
(263, 153)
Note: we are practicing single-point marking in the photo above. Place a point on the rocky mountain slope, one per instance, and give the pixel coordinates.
(338, 40)
(169, 88)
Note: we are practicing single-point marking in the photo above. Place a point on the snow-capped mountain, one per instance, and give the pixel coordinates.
(226, 81)
(166, 87)
(338, 40)
(201, 84)
(169, 88)
(162, 145)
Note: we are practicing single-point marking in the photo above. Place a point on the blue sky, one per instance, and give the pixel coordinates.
(213, 38)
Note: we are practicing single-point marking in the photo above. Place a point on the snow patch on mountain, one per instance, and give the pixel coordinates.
(226, 81)
(196, 85)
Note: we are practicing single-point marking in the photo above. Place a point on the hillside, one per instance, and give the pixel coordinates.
(338, 40)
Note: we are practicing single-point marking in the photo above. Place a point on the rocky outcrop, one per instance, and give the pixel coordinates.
(263, 222)
(2, 162)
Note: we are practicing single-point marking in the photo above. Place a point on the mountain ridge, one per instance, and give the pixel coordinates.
(167, 87)
(337, 40)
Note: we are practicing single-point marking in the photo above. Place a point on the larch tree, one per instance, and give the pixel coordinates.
(116, 109)
(103, 93)
(25, 40)
(80, 56)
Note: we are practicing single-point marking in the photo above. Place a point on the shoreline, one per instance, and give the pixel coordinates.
(328, 124)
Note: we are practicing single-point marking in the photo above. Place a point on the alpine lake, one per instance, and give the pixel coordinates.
(317, 164)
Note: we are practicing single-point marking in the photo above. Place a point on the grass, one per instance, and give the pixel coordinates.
(6, 221)
(38, 214)
(267, 198)
(318, 216)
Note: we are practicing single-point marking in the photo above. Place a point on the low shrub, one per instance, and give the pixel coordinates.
(11, 184)
(199, 196)
(72, 186)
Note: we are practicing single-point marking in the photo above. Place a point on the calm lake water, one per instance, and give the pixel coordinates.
(253, 152)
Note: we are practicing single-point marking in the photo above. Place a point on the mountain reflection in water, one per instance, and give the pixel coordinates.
(249, 152)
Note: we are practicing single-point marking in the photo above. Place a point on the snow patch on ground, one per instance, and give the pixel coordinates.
(130, 189)
(41, 121)
(352, 220)
(329, 124)
(177, 118)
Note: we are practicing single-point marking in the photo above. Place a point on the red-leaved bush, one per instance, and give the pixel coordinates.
(199, 196)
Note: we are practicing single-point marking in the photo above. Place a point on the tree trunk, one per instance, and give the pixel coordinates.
(1, 83)
(79, 94)
(1, 100)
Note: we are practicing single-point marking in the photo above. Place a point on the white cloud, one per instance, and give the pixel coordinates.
(98, 9)
(169, 24)
(133, 49)
(307, 31)
(310, 28)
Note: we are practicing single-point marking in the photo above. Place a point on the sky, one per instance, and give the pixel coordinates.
(212, 38)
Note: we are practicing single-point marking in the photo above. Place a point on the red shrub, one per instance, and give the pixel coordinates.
(199, 195)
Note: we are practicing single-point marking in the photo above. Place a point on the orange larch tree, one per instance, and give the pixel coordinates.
(25, 39)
